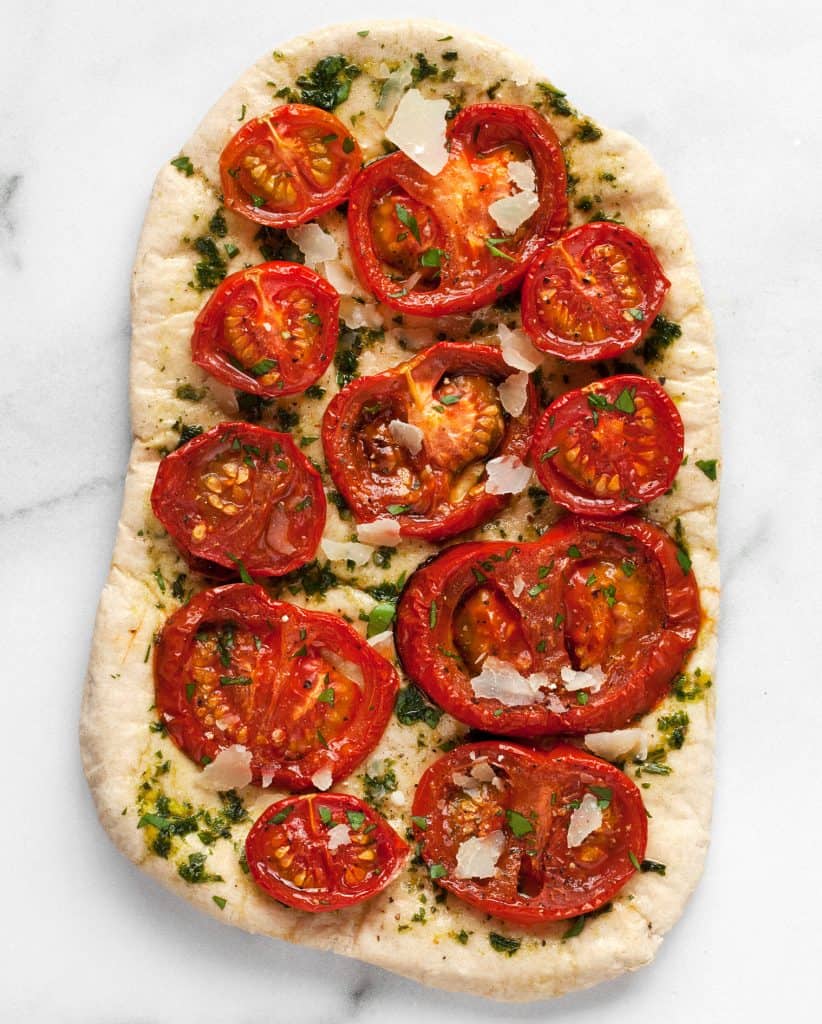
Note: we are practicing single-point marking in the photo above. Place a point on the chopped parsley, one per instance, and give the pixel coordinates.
(504, 944)
(183, 165)
(413, 707)
(328, 84)
(708, 467)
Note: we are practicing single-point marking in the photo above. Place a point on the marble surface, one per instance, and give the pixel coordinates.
(93, 99)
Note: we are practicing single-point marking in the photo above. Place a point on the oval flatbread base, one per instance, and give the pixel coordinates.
(133, 768)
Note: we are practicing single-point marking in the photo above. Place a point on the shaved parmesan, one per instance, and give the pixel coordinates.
(615, 745)
(397, 798)
(322, 779)
(380, 638)
(477, 857)
(585, 819)
(510, 212)
(523, 175)
(359, 314)
(518, 586)
(338, 276)
(339, 835)
(350, 669)
(382, 532)
(230, 769)
(517, 349)
(513, 393)
(407, 435)
(276, 534)
(315, 245)
(590, 679)
(500, 681)
(349, 551)
(266, 779)
(483, 772)
(418, 129)
(506, 475)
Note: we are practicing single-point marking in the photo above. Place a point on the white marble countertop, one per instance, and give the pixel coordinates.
(94, 98)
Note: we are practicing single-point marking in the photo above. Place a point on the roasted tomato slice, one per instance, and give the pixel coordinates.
(427, 244)
(577, 632)
(289, 166)
(240, 493)
(593, 294)
(268, 330)
(323, 852)
(301, 690)
(529, 836)
(608, 447)
(449, 396)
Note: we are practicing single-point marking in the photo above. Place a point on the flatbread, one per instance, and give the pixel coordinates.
(128, 761)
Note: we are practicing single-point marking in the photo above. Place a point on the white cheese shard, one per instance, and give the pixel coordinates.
(350, 669)
(338, 836)
(338, 276)
(407, 435)
(346, 551)
(379, 639)
(322, 779)
(230, 769)
(513, 393)
(477, 857)
(585, 819)
(382, 532)
(518, 350)
(518, 586)
(511, 212)
(500, 681)
(276, 533)
(588, 679)
(315, 245)
(397, 798)
(266, 779)
(418, 129)
(359, 314)
(507, 475)
(523, 175)
(613, 746)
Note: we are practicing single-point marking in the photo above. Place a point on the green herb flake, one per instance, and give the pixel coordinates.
(406, 217)
(625, 401)
(263, 366)
(348, 144)
(280, 816)
(634, 860)
(161, 583)
(636, 313)
(190, 691)
(412, 707)
(504, 944)
(518, 823)
(549, 454)
(574, 552)
(575, 927)
(236, 680)
(328, 84)
(588, 131)
(684, 560)
(432, 257)
(493, 244)
(654, 866)
(582, 697)
(628, 567)
(325, 814)
(183, 165)
(220, 901)
(244, 574)
(603, 795)
(188, 393)
(432, 615)
(327, 696)
(397, 510)
(381, 617)
(708, 467)
(419, 821)
(356, 819)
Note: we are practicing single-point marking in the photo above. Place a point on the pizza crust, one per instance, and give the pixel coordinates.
(118, 747)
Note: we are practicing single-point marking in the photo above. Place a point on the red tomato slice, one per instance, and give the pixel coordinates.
(449, 392)
(607, 598)
(521, 803)
(301, 690)
(268, 330)
(427, 244)
(593, 294)
(289, 166)
(240, 493)
(608, 447)
(323, 852)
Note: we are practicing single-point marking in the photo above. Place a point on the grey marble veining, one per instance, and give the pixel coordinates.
(93, 99)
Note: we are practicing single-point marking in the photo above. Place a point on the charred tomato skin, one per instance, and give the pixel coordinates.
(537, 878)
(593, 294)
(410, 392)
(230, 493)
(537, 613)
(235, 317)
(632, 456)
(471, 275)
(289, 166)
(234, 666)
(293, 831)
